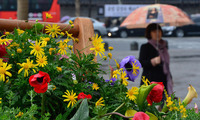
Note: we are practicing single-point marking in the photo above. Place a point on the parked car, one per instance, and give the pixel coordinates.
(99, 27)
(123, 32)
(181, 31)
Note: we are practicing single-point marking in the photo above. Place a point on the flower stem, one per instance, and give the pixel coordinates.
(117, 109)
(116, 113)
(42, 104)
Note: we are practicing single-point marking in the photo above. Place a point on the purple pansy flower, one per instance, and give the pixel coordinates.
(112, 81)
(131, 66)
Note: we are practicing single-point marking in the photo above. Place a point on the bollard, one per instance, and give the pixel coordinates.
(134, 46)
(106, 46)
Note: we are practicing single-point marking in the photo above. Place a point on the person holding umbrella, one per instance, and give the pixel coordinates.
(154, 57)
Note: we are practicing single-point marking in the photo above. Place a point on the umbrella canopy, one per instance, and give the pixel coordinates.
(157, 13)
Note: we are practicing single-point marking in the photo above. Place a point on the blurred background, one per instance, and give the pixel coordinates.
(107, 17)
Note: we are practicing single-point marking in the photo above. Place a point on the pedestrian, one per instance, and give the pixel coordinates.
(154, 58)
(108, 22)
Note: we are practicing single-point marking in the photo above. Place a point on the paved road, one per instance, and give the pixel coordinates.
(184, 58)
(174, 42)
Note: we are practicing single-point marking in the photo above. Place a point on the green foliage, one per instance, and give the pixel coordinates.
(79, 72)
(192, 115)
(143, 93)
(83, 112)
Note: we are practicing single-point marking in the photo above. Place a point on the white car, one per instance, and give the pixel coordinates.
(99, 27)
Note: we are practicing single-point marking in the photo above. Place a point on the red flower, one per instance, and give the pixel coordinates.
(89, 96)
(140, 116)
(40, 82)
(83, 96)
(3, 53)
(156, 93)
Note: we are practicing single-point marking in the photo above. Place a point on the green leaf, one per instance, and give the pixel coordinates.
(38, 26)
(143, 93)
(152, 116)
(83, 112)
(130, 113)
(65, 115)
(59, 117)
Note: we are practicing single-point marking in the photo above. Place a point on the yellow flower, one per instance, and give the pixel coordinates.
(45, 40)
(135, 68)
(115, 73)
(117, 64)
(0, 100)
(20, 31)
(37, 49)
(169, 102)
(7, 80)
(53, 30)
(51, 49)
(100, 102)
(69, 35)
(98, 45)
(105, 57)
(95, 86)
(3, 71)
(41, 61)
(70, 47)
(76, 40)
(72, 26)
(62, 33)
(4, 41)
(59, 69)
(54, 88)
(19, 50)
(184, 115)
(110, 55)
(71, 98)
(7, 33)
(124, 78)
(13, 44)
(48, 15)
(63, 48)
(26, 66)
(175, 108)
(1, 62)
(110, 48)
(145, 81)
(66, 40)
(70, 22)
(182, 109)
(19, 114)
(131, 93)
(8, 48)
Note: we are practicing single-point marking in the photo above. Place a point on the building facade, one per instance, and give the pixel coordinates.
(95, 8)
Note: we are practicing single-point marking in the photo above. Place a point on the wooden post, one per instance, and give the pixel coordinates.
(86, 31)
(22, 9)
(9, 25)
(83, 30)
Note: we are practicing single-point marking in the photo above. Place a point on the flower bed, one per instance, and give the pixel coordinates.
(41, 77)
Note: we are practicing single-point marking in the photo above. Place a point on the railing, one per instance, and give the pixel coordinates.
(83, 30)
